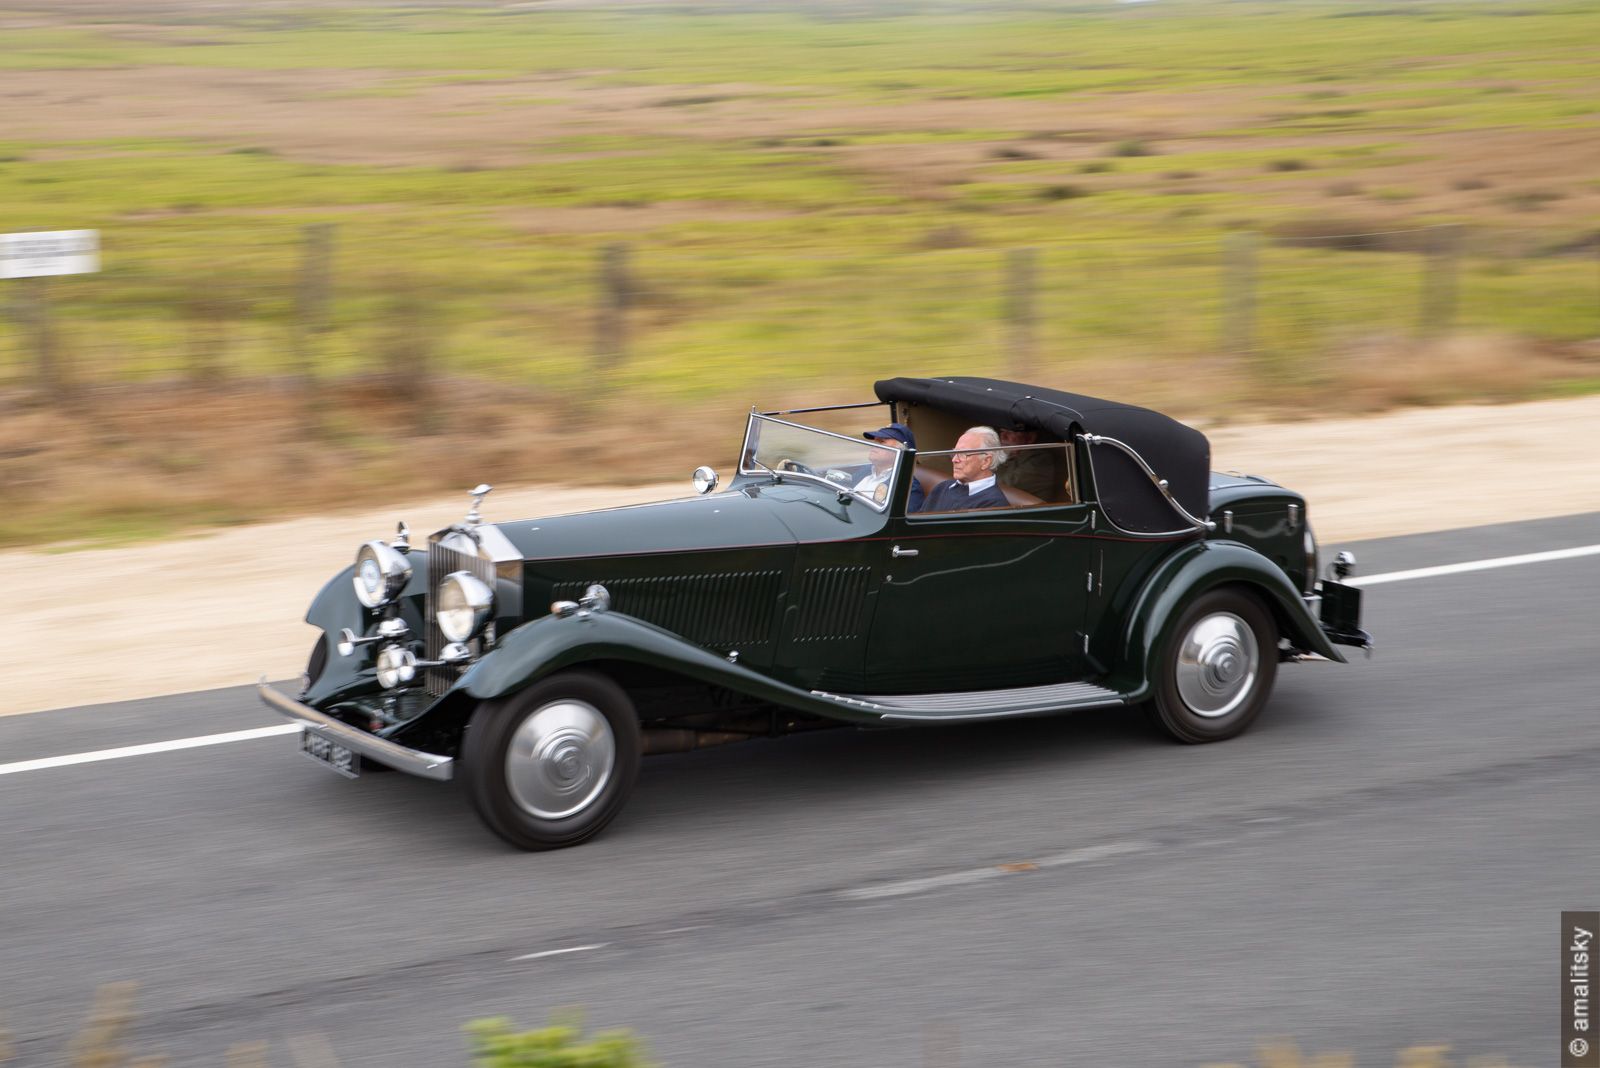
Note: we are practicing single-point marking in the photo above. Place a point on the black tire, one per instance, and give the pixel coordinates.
(535, 765)
(1209, 682)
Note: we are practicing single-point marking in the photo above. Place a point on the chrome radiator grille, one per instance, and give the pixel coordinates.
(444, 560)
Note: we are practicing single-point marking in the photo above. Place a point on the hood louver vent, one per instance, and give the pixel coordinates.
(831, 603)
(730, 609)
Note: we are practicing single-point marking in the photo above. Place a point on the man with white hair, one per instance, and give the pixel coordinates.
(977, 454)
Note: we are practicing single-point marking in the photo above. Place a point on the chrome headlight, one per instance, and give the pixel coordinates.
(1311, 561)
(396, 665)
(464, 604)
(381, 573)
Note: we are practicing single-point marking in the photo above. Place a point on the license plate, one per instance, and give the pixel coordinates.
(330, 754)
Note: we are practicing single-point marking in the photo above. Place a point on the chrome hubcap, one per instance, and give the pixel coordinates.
(560, 759)
(1217, 665)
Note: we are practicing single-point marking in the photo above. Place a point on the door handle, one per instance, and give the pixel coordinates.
(898, 552)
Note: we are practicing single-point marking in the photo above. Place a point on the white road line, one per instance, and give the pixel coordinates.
(1475, 565)
(918, 886)
(147, 749)
(884, 891)
(1095, 852)
(560, 952)
(977, 875)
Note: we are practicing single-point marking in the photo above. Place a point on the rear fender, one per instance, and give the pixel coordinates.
(1192, 571)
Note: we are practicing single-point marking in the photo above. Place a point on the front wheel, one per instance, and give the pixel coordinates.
(1217, 669)
(552, 765)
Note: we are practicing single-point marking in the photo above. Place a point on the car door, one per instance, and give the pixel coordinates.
(983, 599)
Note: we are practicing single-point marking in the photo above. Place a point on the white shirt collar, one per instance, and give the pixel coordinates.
(980, 485)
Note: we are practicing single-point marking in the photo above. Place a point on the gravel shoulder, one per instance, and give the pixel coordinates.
(223, 608)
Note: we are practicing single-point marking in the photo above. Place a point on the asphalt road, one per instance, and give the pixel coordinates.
(1379, 863)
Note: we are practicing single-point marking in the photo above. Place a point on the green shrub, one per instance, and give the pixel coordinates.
(1132, 148)
(560, 1045)
(1062, 192)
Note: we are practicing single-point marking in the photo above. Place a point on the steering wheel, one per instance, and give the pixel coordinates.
(787, 464)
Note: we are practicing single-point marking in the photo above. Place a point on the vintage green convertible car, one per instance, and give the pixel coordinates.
(537, 661)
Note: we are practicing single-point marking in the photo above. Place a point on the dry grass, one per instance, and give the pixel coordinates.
(131, 462)
(1382, 372)
(138, 462)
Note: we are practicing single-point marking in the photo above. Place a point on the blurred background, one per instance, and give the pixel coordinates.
(352, 247)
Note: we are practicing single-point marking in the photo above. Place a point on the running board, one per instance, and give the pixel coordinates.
(980, 704)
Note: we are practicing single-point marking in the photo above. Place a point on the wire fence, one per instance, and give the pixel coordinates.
(316, 303)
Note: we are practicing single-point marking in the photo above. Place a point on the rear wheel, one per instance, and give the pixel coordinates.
(1217, 670)
(552, 765)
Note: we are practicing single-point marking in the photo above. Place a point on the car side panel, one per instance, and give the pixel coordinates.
(554, 643)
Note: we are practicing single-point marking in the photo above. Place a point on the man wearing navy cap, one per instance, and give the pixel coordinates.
(896, 436)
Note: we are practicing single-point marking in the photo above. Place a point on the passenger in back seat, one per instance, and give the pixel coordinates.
(1030, 470)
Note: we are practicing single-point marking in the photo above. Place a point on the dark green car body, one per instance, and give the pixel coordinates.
(782, 602)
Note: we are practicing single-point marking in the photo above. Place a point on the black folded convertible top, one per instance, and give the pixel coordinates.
(1178, 453)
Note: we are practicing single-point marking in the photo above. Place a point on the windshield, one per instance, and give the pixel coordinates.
(863, 467)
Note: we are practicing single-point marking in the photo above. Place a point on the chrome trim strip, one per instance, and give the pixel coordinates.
(1160, 483)
(395, 755)
(492, 541)
(802, 426)
(979, 704)
(1093, 475)
(828, 408)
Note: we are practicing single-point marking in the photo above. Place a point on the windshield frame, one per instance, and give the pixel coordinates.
(748, 451)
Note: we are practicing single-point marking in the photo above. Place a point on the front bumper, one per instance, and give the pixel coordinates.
(395, 755)
(1341, 615)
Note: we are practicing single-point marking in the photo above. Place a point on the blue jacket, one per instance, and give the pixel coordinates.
(950, 496)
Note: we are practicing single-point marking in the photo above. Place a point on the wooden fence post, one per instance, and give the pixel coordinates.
(1239, 294)
(32, 309)
(1440, 280)
(614, 294)
(1020, 313)
(212, 312)
(311, 298)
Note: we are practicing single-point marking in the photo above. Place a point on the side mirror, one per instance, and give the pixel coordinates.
(705, 480)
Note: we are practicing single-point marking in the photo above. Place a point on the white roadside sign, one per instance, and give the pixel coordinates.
(51, 252)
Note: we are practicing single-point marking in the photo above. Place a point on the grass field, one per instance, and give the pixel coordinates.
(813, 195)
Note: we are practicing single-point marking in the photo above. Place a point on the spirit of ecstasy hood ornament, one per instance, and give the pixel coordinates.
(483, 490)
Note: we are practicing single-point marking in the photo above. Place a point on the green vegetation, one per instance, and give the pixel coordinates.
(560, 1045)
(742, 241)
(812, 196)
(103, 1040)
